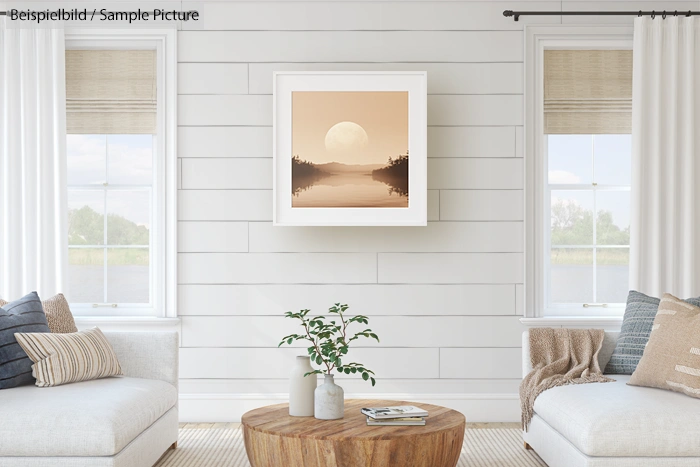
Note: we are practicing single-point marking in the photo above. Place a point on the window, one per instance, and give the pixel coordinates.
(578, 100)
(588, 192)
(121, 172)
(110, 214)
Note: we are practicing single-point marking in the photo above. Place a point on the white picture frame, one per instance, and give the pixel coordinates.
(285, 83)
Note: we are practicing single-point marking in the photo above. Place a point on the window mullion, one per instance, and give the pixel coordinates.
(106, 184)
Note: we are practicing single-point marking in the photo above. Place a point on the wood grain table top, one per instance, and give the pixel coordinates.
(275, 419)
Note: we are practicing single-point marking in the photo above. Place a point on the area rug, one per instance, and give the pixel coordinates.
(223, 447)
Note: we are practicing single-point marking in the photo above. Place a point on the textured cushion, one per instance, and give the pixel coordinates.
(671, 359)
(92, 418)
(23, 315)
(634, 335)
(68, 358)
(615, 419)
(57, 312)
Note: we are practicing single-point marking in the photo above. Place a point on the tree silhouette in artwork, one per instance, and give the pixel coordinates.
(304, 174)
(395, 175)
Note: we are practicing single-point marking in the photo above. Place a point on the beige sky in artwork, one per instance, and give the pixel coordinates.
(382, 115)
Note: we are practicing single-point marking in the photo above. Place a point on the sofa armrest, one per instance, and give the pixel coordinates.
(149, 355)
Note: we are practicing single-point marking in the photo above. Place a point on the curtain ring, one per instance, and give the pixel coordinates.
(675, 13)
(664, 15)
(640, 14)
(653, 14)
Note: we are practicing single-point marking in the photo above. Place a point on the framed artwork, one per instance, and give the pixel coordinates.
(350, 148)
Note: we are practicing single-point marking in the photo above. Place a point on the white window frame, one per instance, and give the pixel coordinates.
(537, 222)
(164, 229)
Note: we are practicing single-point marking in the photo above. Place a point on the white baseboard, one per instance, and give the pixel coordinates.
(210, 407)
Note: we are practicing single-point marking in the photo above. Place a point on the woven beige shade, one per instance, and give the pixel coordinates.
(587, 91)
(111, 91)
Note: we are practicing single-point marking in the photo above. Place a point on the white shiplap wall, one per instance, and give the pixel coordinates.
(441, 297)
(445, 298)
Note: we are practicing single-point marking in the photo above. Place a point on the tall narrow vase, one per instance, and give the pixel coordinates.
(301, 389)
(329, 400)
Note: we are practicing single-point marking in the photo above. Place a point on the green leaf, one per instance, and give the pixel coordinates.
(347, 370)
(354, 370)
(373, 381)
(337, 361)
(289, 341)
(365, 376)
(319, 360)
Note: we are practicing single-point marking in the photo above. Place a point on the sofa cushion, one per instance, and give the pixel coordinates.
(69, 357)
(23, 315)
(636, 326)
(614, 419)
(91, 418)
(672, 356)
(58, 314)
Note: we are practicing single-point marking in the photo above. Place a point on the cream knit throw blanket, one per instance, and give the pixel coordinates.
(560, 357)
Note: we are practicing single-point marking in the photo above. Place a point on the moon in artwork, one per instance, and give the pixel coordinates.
(346, 137)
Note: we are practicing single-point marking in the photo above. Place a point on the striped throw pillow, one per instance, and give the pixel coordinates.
(69, 358)
(23, 315)
(58, 313)
(671, 359)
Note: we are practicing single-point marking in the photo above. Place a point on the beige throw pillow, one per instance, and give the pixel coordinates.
(57, 312)
(68, 358)
(671, 359)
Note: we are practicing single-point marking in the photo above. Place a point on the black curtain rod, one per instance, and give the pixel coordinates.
(517, 14)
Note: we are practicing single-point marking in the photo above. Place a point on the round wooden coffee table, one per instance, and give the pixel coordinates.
(274, 439)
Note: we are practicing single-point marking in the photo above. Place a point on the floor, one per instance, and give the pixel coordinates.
(222, 445)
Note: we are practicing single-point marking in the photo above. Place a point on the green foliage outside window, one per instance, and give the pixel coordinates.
(573, 225)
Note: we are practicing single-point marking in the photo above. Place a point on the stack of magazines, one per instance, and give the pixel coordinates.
(402, 415)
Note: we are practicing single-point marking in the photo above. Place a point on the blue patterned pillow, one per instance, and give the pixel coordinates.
(634, 335)
(23, 315)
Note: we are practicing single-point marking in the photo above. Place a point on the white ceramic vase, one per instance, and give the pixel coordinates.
(301, 389)
(329, 400)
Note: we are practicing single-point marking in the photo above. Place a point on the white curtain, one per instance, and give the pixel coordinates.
(665, 223)
(33, 205)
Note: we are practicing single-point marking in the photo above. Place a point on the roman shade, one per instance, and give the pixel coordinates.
(587, 91)
(111, 91)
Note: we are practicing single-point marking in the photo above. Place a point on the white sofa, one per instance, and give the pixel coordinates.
(127, 421)
(613, 424)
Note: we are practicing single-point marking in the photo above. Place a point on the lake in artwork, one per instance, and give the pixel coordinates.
(350, 149)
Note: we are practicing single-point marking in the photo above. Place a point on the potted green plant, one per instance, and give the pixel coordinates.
(330, 341)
